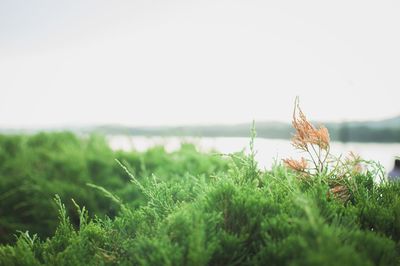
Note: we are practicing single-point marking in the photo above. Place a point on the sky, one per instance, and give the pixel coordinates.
(170, 62)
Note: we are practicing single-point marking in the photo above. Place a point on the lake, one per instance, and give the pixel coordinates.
(268, 150)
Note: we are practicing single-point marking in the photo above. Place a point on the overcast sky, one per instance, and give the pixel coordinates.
(196, 62)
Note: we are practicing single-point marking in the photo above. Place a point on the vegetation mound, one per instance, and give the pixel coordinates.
(189, 208)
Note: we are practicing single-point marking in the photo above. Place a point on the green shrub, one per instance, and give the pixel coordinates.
(34, 168)
(188, 208)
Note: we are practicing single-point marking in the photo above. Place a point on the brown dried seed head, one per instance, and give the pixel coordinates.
(323, 137)
(340, 192)
(299, 166)
(306, 133)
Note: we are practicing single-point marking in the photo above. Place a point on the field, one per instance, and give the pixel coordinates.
(65, 200)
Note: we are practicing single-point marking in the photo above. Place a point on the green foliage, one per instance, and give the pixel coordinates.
(187, 208)
(34, 168)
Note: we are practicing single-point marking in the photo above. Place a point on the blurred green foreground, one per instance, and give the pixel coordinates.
(181, 208)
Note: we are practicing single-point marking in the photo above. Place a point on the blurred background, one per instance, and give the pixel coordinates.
(159, 72)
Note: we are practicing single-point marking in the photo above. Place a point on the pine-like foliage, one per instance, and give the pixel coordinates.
(35, 168)
(199, 209)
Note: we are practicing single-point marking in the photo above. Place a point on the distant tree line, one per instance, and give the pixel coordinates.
(365, 134)
(342, 132)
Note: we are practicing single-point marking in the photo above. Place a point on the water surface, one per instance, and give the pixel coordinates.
(268, 150)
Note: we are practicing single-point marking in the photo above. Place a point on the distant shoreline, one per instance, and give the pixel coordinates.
(382, 131)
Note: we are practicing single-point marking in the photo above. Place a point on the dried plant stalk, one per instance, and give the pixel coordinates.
(300, 166)
(315, 142)
(308, 138)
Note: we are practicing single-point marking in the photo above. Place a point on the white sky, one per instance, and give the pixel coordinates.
(196, 62)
